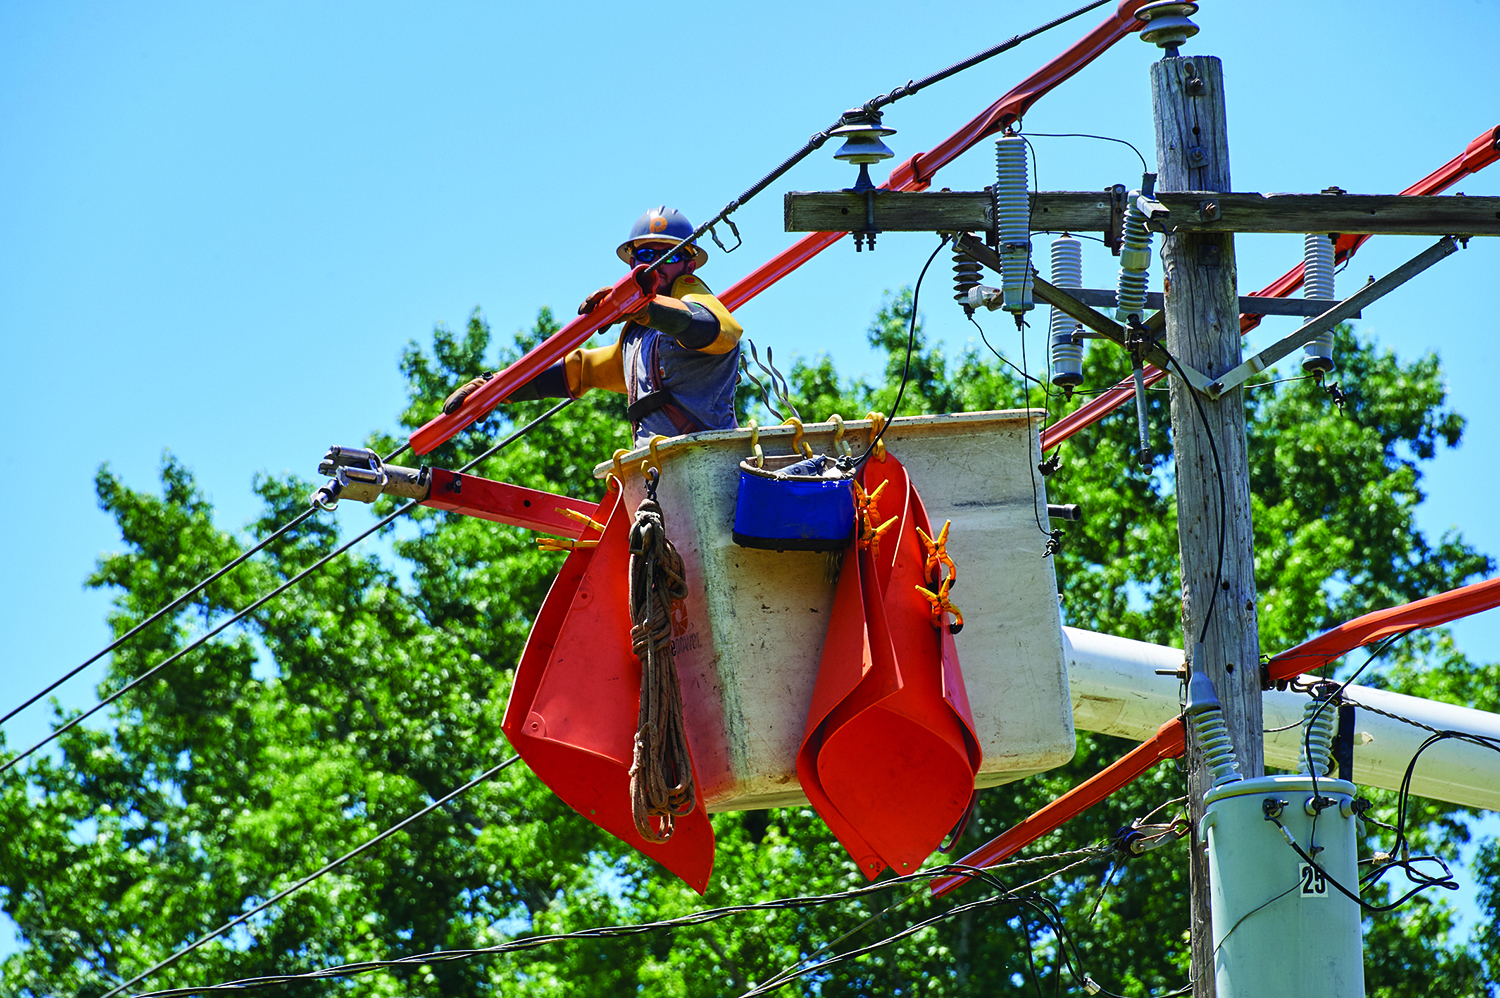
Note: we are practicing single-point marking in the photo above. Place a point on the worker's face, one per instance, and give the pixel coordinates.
(685, 263)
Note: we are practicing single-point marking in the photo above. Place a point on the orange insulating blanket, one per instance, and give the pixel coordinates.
(573, 709)
(889, 753)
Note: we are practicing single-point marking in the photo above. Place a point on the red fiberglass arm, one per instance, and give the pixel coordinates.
(1167, 743)
(1372, 627)
(1478, 154)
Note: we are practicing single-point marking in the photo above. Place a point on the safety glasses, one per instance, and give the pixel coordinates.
(648, 254)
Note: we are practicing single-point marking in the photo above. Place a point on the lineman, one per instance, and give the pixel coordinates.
(677, 360)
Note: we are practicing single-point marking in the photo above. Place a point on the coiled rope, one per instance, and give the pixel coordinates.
(661, 775)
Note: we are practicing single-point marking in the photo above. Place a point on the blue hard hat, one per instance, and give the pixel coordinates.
(661, 224)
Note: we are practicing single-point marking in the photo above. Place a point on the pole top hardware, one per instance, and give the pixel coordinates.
(862, 133)
(1201, 694)
(1167, 24)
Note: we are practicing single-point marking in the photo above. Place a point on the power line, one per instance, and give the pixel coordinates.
(598, 932)
(816, 140)
(367, 844)
(794, 971)
(178, 601)
(1213, 447)
(911, 340)
(1102, 138)
(159, 614)
(1004, 894)
(9, 763)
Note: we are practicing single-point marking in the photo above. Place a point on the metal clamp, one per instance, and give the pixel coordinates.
(360, 474)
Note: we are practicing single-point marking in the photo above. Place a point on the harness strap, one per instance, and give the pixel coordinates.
(649, 403)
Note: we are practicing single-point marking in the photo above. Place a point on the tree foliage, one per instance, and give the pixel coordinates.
(378, 684)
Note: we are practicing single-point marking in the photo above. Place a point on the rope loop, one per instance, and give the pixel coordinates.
(661, 772)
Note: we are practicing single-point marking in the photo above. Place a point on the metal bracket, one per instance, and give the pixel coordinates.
(714, 234)
(1157, 214)
(1251, 304)
(1059, 299)
(1116, 224)
(1345, 309)
(359, 474)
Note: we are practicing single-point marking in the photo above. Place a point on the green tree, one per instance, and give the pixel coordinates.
(379, 683)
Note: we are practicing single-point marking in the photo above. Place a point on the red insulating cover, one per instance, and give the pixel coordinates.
(889, 754)
(573, 709)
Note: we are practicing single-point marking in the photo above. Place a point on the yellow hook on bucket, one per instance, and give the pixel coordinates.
(798, 444)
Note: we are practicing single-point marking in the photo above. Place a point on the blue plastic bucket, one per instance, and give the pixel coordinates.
(784, 512)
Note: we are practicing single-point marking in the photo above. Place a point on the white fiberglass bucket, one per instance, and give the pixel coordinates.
(748, 639)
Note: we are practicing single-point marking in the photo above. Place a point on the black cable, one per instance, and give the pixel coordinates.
(1241, 920)
(271, 595)
(1334, 698)
(1006, 360)
(911, 339)
(599, 932)
(874, 104)
(1223, 501)
(168, 608)
(1002, 895)
(334, 864)
(174, 604)
(1070, 233)
(1102, 138)
(1449, 884)
(1404, 796)
(1035, 495)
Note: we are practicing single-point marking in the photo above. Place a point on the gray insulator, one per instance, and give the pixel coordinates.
(1209, 728)
(1013, 220)
(1317, 282)
(966, 273)
(1167, 24)
(1320, 721)
(1067, 354)
(1135, 258)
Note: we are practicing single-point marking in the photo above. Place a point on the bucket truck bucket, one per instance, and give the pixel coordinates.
(750, 638)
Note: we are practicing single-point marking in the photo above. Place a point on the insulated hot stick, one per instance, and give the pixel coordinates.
(913, 175)
(628, 296)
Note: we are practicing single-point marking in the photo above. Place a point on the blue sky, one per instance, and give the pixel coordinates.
(222, 222)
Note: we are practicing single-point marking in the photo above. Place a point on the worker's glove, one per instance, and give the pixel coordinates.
(592, 301)
(455, 402)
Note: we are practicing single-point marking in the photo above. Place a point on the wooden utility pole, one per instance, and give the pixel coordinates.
(1203, 332)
